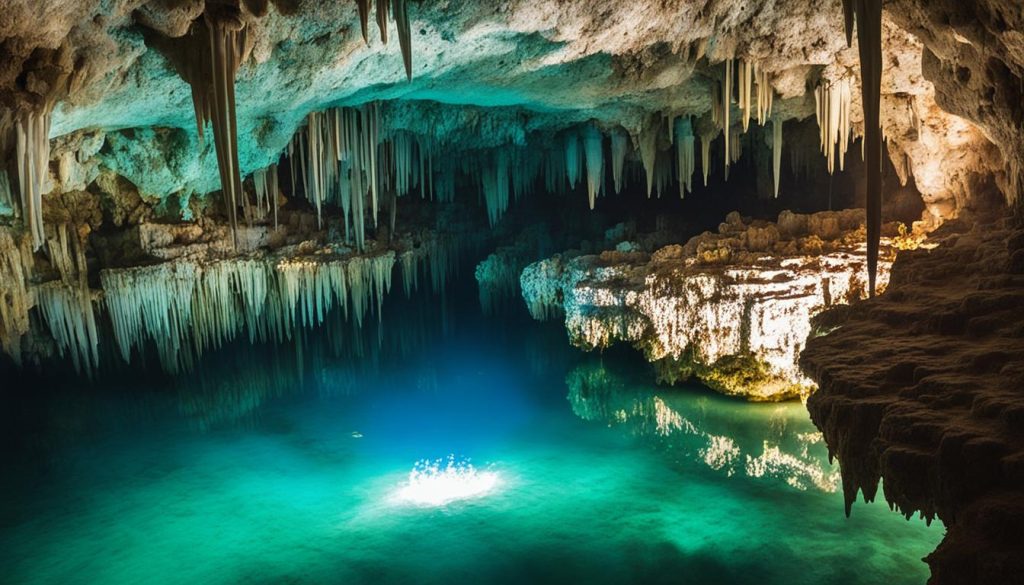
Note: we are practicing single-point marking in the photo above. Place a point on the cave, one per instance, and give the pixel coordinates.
(564, 291)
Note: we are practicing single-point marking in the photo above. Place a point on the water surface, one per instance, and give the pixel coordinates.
(250, 471)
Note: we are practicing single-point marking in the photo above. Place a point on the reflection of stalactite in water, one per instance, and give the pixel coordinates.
(329, 360)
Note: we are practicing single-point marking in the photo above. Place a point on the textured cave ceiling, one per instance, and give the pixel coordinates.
(489, 73)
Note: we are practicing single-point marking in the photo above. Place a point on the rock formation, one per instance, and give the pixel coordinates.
(731, 309)
(920, 388)
(330, 150)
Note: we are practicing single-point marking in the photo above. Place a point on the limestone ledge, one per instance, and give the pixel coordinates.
(732, 309)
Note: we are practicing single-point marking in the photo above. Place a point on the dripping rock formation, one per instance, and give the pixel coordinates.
(921, 389)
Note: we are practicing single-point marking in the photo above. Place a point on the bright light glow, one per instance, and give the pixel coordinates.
(442, 481)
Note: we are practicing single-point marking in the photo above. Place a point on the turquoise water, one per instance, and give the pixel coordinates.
(253, 473)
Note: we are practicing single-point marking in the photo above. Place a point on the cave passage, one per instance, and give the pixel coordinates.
(530, 291)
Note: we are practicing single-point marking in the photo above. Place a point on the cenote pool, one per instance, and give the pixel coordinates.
(555, 467)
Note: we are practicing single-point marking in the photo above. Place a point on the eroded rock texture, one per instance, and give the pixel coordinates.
(732, 309)
(923, 388)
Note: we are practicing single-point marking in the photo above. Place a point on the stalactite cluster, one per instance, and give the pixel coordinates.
(32, 143)
(754, 95)
(66, 305)
(832, 107)
(268, 192)
(69, 314)
(399, 9)
(186, 308)
(208, 58)
(336, 159)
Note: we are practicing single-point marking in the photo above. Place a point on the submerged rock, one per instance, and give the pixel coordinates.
(732, 309)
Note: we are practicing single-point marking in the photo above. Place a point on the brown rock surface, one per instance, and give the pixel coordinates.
(923, 388)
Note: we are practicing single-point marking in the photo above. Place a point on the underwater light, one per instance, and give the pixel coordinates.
(442, 481)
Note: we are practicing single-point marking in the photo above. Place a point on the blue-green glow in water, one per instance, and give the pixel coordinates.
(599, 476)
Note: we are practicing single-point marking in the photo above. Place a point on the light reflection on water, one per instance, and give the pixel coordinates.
(273, 465)
(717, 432)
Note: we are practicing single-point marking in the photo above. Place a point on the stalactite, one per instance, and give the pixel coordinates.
(765, 94)
(364, 18)
(686, 164)
(401, 12)
(706, 138)
(382, 19)
(662, 171)
(410, 273)
(746, 79)
(593, 148)
(726, 110)
(832, 103)
(620, 144)
(185, 308)
(68, 311)
(66, 305)
(649, 152)
(208, 59)
(32, 131)
(572, 158)
(554, 170)
(868, 14)
(777, 153)
(337, 160)
(495, 183)
(735, 149)
(316, 175)
(227, 45)
(403, 143)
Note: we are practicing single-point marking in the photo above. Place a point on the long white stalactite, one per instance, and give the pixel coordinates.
(226, 49)
(765, 95)
(593, 149)
(705, 155)
(32, 148)
(648, 143)
(745, 85)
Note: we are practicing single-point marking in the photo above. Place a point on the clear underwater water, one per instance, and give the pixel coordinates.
(250, 472)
